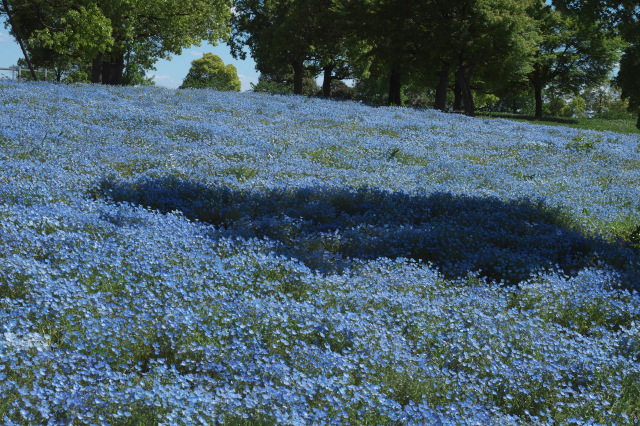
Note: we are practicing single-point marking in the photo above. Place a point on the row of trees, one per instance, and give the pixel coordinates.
(472, 48)
(468, 50)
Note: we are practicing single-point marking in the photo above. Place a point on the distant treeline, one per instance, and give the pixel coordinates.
(515, 55)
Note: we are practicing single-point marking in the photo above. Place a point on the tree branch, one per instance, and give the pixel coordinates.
(17, 33)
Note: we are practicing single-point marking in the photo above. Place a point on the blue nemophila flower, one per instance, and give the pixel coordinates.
(193, 256)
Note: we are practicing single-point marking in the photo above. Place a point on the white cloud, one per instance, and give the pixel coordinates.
(196, 53)
(5, 38)
(165, 81)
(246, 81)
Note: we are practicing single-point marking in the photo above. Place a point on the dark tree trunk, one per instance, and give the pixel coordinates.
(16, 31)
(457, 95)
(298, 72)
(112, 70)
(443, 85)
(96, 69)
(538, 92)
(326, 83)
(514, 107)
(395, 88)
(106, 70)
(467, 96)
(117, 70)
(58, 76)
(638, 122)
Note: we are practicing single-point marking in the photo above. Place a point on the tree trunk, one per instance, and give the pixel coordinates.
(467, 96)
(395, 88)
(298, 72)
(638, 122)
(117, 70)
(514, 107)
(106, 70)
(538, 91)
(326, 83)
(443, 85)
(16, 31)
(96, 69)
(58, 76)
(457, 95)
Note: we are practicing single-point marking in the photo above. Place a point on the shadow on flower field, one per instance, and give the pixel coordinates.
(331, 229)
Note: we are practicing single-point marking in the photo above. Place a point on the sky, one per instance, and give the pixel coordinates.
(168, 74)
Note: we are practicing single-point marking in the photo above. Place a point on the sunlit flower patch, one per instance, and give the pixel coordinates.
(196, 257)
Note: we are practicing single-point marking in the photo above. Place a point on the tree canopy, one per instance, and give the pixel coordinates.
(459, 52)
(100, 33)
(211, 72)
(572, 54)
(405, 40)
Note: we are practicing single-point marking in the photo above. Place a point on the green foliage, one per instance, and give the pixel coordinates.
(605, 97)
(558, 107)
(340, 90)
(280, 35)
(76, 31)
(375, 91)
(482, 100)
(77, 76)
(582, 143)
(81, 32)
(137, 61)
(573, 53)
(281, 84)
(628, 79)
(577, 107)
(211, 72)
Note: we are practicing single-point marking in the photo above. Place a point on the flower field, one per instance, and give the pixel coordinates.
(197, 257)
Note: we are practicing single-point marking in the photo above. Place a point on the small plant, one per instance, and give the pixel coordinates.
(582, 143)
(521, 176)
(393, 153)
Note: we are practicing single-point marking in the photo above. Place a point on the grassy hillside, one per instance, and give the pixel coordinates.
(621, 125)
(197, 257)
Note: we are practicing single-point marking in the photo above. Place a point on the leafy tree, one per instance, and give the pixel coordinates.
(572, 55)
(327, 37)
(488, 42)
(604, 98)
(516, 98)
(628, 79)
(211, 72)
(577, 107)
(61, 34)
(64, 70)
(375, 91)
(338, 89)
(298, 36)
(382, 47)
(283, 84)
(254, 24)
(624, 17)
(100, 33)
(137, 61)
(496, 40)
(558, 107)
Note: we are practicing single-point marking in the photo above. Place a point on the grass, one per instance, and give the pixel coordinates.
(625, 126)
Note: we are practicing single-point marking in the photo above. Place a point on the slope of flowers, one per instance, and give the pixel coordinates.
(196, 257)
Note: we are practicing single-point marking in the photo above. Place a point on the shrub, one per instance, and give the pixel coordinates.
(211, 72)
